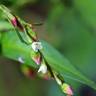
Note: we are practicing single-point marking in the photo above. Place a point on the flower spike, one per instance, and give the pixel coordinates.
(29, 37)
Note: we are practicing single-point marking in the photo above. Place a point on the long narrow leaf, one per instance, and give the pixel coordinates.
(13, 48)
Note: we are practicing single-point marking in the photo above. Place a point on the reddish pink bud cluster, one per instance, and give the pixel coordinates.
(37, 59)
(14, 22)
(67, 89)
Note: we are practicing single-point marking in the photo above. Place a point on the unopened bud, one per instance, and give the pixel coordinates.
(37, 59)
(14, 21)
(67, 89)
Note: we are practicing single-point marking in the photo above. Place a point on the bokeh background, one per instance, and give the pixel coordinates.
(70, 26)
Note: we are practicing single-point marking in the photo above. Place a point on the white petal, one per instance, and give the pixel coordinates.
(43, 69)
(20, 59)
(36, 46)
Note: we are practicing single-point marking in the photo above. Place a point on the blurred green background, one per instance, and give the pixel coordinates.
(70, 26)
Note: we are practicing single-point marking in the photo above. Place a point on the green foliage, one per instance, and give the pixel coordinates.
(87, 9)
(22, 50)
(16, 2)
(53, 57)
(63, 66)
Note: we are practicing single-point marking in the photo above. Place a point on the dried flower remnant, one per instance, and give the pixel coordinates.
(28, 71)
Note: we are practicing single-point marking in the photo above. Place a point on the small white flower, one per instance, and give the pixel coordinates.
(20, 59)
(36, 46)
(43, 69)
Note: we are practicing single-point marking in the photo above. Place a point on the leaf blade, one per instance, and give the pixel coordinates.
(64, 66)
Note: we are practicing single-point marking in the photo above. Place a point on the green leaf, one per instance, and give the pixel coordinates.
(13, 48)
(5, 26)
(63, 66)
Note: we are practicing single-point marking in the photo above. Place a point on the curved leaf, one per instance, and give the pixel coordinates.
(63, 66)
(13, 48)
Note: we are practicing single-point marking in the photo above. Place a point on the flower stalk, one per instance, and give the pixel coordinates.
(29, 37)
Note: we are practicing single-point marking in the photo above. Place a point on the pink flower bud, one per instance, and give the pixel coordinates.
(67, 89)
(37, 59)
(14, 21)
